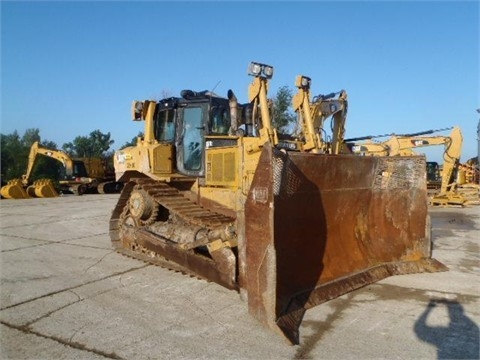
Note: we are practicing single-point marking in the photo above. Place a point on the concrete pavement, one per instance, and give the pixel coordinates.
(64, 294)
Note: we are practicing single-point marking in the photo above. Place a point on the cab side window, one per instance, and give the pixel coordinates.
(220, 120)
(165, 125)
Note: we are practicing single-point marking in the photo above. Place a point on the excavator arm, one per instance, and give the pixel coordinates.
(403, 145)
(451, 159)
(397, 145)
(20, 189)
(58, 155)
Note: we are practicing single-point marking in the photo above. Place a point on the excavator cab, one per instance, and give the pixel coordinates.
(78, 170)
(433, 171)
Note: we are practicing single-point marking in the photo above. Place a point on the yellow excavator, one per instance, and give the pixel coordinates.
(81, 175)
(440, 180)
(403, 145)
(212, 190)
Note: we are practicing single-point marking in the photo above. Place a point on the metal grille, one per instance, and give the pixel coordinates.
(400, 173)
(230, 167)
(285, 180)
(278, 163)
(221, 168)
(217, 167)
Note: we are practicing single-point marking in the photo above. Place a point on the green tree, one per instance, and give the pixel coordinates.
(30, 136)
(132, 142)
(14, 156)
(96, 144)
(282, 114)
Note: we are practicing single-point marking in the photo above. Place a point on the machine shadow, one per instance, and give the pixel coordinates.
(459, 340)
(300, 229)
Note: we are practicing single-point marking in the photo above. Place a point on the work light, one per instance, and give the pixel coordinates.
(257, 69)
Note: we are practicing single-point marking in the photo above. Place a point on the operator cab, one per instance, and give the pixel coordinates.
(185, 121)
(433, 171)
(78, 171)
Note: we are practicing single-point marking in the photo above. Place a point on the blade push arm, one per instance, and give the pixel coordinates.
(257, 95)
(312, 115)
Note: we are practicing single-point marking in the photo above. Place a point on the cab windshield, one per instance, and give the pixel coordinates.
(78, 170)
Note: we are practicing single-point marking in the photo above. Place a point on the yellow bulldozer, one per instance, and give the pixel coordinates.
(212, 190)
(82, 175)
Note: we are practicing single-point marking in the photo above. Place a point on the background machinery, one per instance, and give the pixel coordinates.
(207, 195)
(81, 176)
(445, 181)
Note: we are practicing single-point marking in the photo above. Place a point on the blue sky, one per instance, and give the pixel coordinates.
(69, 68)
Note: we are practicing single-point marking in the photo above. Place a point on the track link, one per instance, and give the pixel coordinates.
(176, 203)
(140, 243)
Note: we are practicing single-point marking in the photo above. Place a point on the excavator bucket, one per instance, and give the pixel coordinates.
(14, 190)
(319, 226)
(44, 188)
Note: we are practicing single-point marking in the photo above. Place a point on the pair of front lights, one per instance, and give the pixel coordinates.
(257, 69)
(302, 82)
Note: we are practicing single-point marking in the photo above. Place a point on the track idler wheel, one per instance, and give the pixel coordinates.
(143, 208)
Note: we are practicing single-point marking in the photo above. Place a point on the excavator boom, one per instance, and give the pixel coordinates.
(20, 189)
(403, 145)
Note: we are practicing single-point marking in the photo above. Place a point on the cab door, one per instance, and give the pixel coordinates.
(191, 145)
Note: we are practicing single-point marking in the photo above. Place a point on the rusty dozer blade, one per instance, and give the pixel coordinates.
(319, 226)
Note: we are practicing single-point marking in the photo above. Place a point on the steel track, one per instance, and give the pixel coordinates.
(140, 243)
